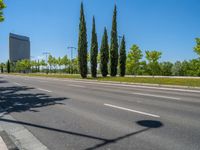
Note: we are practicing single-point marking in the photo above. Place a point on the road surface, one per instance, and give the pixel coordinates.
(82, 115)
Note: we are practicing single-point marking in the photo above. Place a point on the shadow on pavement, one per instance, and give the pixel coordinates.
(13, 99)
(17, 99)
(3, 81)
(148, 124)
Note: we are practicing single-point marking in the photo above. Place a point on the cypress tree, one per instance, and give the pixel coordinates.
(104, 54)
(94, 51)
(8, 66)
(82, 44)
(114, 45)
(122, 57)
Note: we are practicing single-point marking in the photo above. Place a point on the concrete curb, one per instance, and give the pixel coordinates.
(19, 135)
(9, 143)
(24, 139)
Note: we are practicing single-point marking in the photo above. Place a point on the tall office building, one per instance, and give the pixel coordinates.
(19, 47)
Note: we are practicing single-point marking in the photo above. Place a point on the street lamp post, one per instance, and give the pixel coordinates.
(71, 48)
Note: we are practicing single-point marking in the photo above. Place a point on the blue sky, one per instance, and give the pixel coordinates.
(169, 26)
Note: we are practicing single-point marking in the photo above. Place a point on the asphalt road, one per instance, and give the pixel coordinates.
(67, 114)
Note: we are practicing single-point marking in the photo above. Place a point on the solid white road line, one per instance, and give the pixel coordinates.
(158, 96)
(75, 85)
(44, 90)
(131, 110)
(17, 83)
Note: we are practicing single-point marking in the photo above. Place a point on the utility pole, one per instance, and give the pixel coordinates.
(46, 53)
(71, 48)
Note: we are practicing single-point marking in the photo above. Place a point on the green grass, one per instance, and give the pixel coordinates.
(191, 82)
(161, 81)
(70, 76)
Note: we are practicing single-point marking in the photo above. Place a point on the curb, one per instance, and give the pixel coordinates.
(20, 135)
(8, 141)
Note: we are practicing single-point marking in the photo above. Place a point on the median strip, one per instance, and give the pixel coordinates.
(158, 96)
(131, 110)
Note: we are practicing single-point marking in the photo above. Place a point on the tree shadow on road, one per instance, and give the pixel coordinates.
(20, 99)
(147, 124)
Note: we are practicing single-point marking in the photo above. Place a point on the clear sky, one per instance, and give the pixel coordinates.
(166, 25)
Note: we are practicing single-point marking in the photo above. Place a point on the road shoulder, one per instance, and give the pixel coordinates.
(19, 135)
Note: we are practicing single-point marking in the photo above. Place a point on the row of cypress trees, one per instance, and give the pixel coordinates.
(107, 56)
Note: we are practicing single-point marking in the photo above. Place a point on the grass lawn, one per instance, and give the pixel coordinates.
(70, 76)
(191, 82)
(150, 80)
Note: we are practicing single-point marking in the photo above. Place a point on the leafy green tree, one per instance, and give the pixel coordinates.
(143, 68)
(177, 69)
(197, 47)
(153, 57)
(2, 6)
(185, 68)
(82, 44)
(60, 63)
(18, 66)
(104, 54)
(26, 64)
(8, 66)
(114, 45)
(43, 64)
(54, 63)
(194, 67)
(23, 65)
(166, 68)
(94, 50)
(33, 65)
(133, 60)
(98, 63)
(99, 58)
(122, 58)
(38, 66)
(75, 65)
(65, 61)
(50, 61)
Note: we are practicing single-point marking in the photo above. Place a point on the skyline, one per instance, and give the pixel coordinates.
(154, 25)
